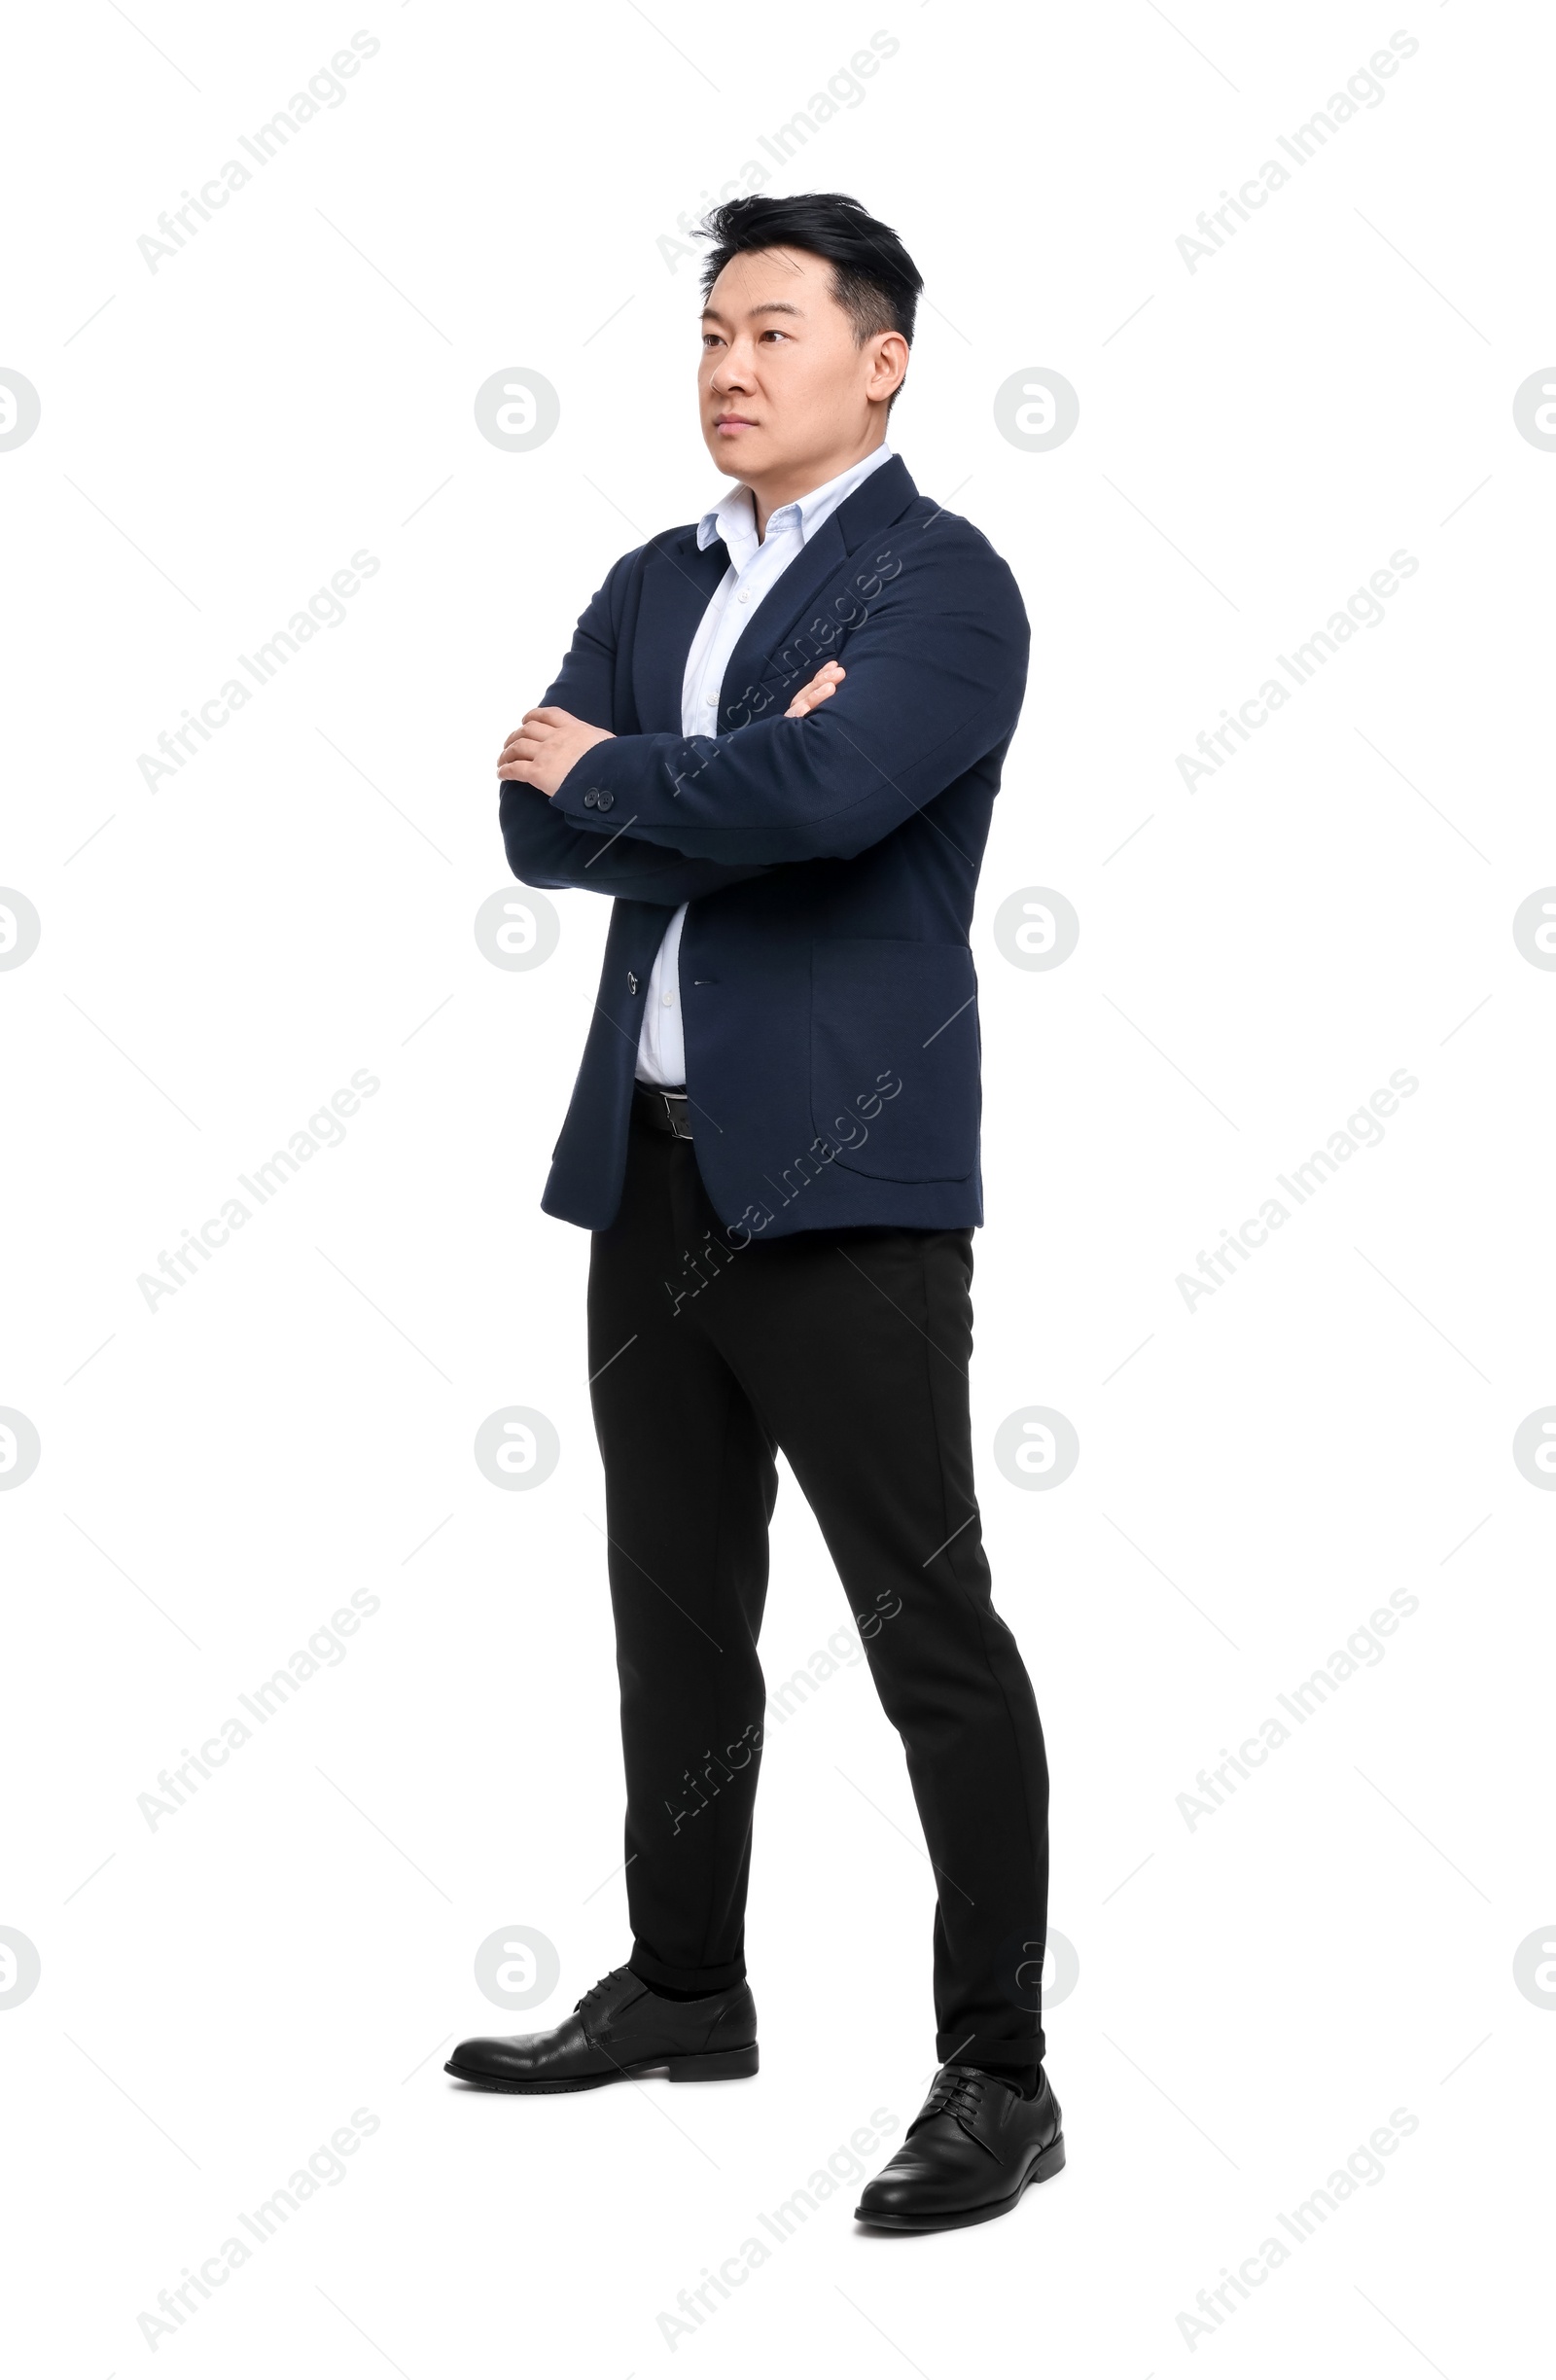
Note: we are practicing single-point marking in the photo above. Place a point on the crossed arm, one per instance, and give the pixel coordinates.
(545, 850)
(936, 643)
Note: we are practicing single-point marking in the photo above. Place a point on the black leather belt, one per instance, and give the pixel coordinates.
(662, 1111)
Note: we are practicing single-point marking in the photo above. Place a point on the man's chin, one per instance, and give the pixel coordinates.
(742, 456)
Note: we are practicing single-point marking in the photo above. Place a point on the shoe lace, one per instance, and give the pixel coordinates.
(596, 1992)
(957, 2090)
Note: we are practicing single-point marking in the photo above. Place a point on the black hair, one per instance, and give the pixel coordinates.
(874, 279)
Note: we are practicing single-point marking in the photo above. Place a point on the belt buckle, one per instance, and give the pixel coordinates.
(674, 1108)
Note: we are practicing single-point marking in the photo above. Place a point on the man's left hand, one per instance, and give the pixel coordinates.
(550, 743)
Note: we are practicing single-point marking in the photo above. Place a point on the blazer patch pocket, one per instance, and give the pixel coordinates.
(894, 1058)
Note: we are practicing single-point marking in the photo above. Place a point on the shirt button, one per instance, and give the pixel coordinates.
(742, 598)
(668, 1000)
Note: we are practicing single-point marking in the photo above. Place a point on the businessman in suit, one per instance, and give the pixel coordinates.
(775, 745)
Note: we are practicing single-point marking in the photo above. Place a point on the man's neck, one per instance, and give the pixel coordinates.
(775, 491)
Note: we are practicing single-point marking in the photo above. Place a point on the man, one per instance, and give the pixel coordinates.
(776, 742)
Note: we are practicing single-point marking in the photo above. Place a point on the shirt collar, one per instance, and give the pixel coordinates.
(733, 517)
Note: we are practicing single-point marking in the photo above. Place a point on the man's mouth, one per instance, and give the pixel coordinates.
(733, 421)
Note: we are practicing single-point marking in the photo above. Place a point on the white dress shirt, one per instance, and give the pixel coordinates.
(754, 568)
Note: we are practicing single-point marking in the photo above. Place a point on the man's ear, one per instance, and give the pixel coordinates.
(889, 364)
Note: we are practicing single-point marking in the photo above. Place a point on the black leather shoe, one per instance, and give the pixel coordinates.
(621, 2028)
(970, 2152)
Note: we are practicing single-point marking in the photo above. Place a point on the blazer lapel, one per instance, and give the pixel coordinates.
(757, 665)
(678, 587)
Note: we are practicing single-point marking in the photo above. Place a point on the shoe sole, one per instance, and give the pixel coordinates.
(1041, 2169)
(712, 2066)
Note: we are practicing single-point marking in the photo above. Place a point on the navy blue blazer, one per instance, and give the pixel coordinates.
(828, 994)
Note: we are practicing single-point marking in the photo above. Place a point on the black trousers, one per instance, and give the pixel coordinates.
(850, 1352)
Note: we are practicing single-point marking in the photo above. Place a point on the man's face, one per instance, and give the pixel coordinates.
(782, 384)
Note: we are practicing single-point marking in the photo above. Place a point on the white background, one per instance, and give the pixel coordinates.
(1257, 1476)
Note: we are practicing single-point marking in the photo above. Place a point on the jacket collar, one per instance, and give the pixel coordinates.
(679, 584)
(734, 516)
(759, 664)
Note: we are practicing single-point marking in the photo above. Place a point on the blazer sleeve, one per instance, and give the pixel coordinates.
(544, 848)
(586, 682)
(935, 676)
